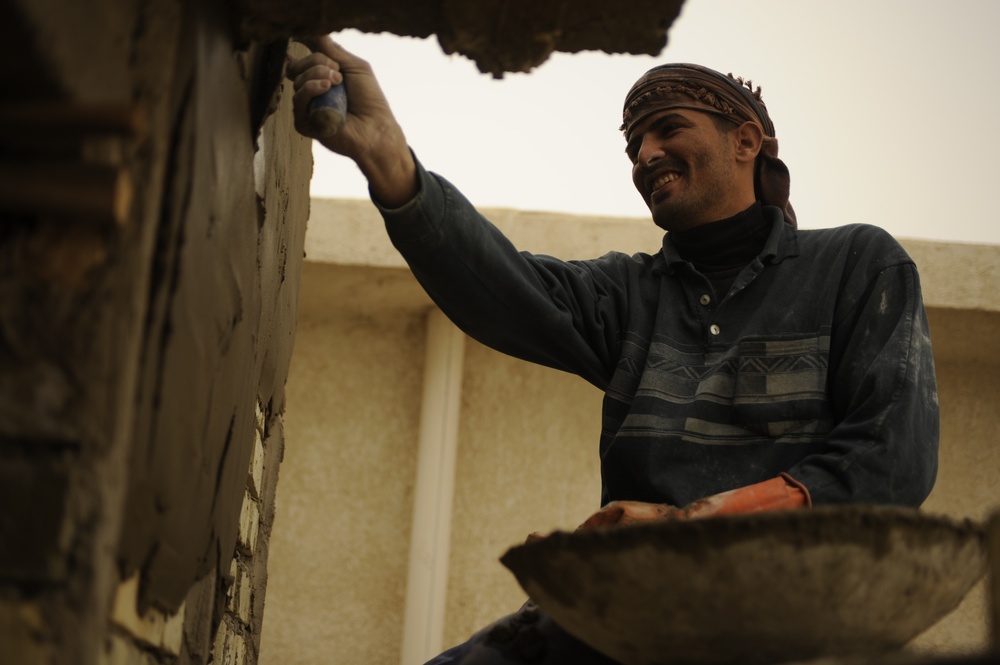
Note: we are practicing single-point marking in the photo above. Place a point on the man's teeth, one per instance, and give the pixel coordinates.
(664, 179)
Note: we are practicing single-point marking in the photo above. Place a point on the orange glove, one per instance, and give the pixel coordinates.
(781, 493)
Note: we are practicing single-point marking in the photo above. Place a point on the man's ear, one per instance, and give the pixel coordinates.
(749, 138)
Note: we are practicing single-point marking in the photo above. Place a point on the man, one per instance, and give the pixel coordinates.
(746, 365)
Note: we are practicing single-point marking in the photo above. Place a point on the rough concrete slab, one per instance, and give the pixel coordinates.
(761, 588)
(499, 36)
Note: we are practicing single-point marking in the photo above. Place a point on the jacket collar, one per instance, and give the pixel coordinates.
(781, 243)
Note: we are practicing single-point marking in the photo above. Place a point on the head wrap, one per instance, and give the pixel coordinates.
(698, 88)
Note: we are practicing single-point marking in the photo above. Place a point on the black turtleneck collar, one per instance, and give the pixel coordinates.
(725, 245)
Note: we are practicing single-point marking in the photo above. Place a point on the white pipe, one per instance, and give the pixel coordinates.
(423, 627)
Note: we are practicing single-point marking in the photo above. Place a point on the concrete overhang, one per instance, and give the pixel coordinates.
(500, 36)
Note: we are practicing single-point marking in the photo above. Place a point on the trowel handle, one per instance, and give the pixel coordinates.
(328, 111)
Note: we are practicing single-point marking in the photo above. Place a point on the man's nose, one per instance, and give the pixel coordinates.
(650, 152)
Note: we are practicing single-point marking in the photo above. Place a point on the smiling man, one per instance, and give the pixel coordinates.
(746, 365)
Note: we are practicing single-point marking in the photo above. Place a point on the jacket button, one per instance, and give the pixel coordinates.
(705, 299)
(714, 329)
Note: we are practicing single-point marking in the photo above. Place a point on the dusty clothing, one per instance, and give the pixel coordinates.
(528, 636)
(817, 362)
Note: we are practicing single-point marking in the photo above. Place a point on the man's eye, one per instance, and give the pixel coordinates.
(632, 151)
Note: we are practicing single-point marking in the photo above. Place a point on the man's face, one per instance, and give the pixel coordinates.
(684, 168)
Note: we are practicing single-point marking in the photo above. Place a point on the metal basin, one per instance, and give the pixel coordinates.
(766, 588)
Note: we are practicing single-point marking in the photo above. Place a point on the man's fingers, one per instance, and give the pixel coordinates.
(311, 88)
(317, 63)
(607, 516)
(320, 73)
(303, 95)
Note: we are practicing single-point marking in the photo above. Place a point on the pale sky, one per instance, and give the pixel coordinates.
(885, 112)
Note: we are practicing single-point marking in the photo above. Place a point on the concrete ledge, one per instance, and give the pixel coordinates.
(349, 232)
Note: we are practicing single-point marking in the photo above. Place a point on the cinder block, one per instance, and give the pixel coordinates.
(249, 524)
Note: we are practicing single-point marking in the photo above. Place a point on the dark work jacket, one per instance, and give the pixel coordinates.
(817, 362)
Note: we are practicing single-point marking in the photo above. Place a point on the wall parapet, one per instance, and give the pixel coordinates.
(349, 232)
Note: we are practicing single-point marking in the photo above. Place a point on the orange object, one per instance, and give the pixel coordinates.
(781, 493)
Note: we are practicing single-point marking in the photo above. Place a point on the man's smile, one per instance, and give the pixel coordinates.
(665, 178)
(658, 181)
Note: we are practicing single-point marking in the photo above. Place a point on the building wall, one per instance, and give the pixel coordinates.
(152, 224)
(527, 441)
(342, 536)
(527, 461)
(968, 372)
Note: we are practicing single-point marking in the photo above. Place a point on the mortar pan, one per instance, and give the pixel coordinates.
(754, 589)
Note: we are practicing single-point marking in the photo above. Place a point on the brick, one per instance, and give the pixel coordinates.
(249, 524)
(260, 417)
(240, 593)
(230, 647)
(245, 596)
(255, 474)
(232, 591)
(236, 649)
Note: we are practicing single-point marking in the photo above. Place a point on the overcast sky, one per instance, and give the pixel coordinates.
(885, 111)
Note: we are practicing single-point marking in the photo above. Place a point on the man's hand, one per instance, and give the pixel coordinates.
(781, 493)
(370, 135)
(629, 512)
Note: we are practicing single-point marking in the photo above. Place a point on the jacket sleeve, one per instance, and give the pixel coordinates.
(884, 443)
(556, 313)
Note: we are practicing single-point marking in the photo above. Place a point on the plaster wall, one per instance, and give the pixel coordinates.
(527, 452)
(149, 282)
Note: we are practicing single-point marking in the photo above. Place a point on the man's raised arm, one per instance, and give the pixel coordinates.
(370, 135)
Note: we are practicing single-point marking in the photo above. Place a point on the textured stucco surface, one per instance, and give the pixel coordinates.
(527, 462)
(342, 529)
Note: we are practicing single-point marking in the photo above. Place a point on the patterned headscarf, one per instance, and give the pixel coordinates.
(686, 86)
